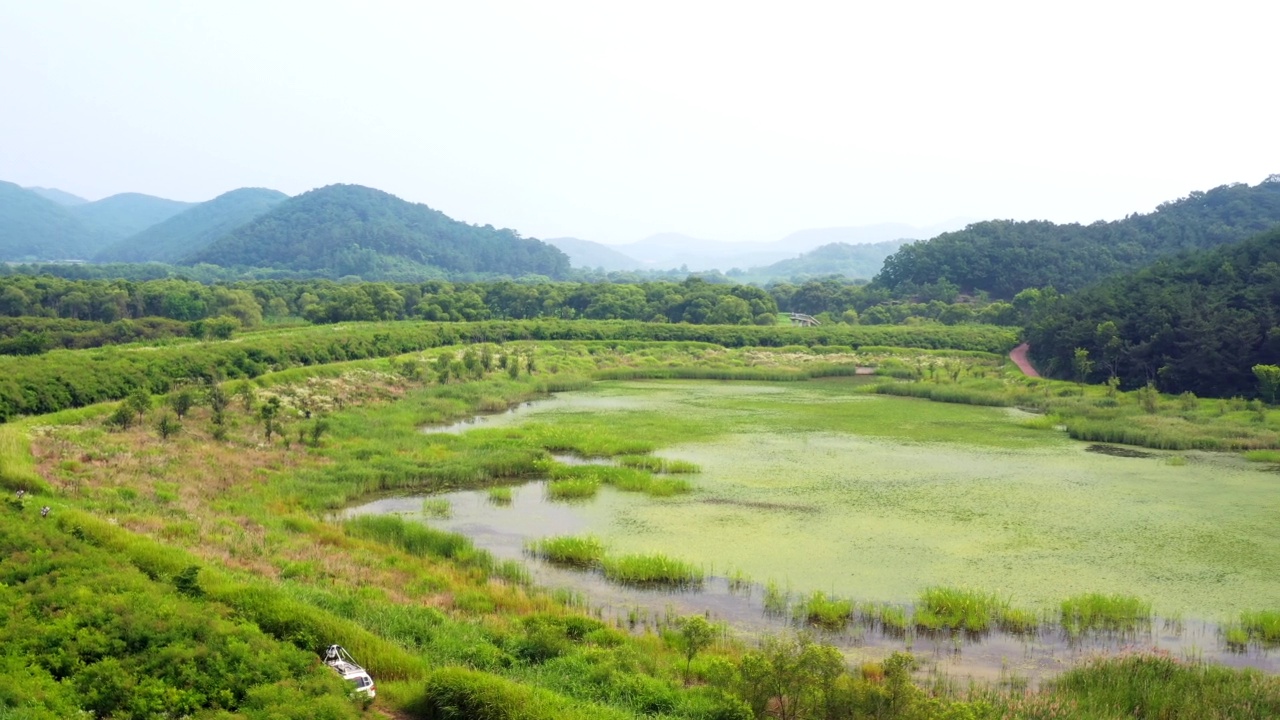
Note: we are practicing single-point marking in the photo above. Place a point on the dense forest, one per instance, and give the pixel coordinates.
(193, 229)
(352, 230)
(41, 313)
(1195, 323)
(1004, 257)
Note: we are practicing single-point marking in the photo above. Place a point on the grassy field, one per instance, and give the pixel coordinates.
(230, 522)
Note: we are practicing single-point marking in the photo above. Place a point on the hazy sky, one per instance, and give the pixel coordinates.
(610, 121)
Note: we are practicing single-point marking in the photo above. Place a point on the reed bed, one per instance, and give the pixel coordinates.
(584, 551)
(652, 570)
(1263, 625)
(572, 489)
(826, 612)
(1097, 611)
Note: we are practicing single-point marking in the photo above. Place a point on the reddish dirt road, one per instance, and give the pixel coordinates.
(1019, 357)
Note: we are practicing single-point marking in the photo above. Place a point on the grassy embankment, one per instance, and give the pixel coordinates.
(231, 528)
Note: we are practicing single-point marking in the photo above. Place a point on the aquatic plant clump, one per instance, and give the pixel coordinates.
(572, 489)
(825, 612)
(1097, 611)
(655, 569)
(1263, 626)
(500, 495)
(623, 478)
(576, 551)
(658, 465)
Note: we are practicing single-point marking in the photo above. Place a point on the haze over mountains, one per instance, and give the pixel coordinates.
(351, 230)
(666, 251)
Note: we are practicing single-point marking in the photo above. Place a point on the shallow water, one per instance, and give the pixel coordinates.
(819, 487)
(991, 657)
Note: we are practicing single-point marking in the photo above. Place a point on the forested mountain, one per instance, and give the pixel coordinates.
(851, 261)
(1004, 257)
(194, 229)
(62, 197)
(352, 230)
(119, 216)
(36, 228)
(587, 254)
(1198, 322)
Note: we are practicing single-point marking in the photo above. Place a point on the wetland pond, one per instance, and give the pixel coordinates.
(820, 486)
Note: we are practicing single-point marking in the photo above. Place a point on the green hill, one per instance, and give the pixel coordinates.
(119, 216)
(1198, 322)
(353, 230)
(1004, 257)
(194, 229)
(36, 228)
(851, 261)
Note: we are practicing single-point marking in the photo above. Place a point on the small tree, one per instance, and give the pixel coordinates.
(244, 391)
(318, 429)
(268, 412)
(1268, 382)
(182, 401)
(1082, 366)
(513, 368)
(122, 417)
(695, 635)
(168, 426)
(139, 401)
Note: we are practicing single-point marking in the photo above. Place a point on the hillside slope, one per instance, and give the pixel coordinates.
(353, 230)
(36, 228)
(1198, 322)
(194, 229)
(1004, 257)
(851, 261)
(120, 216)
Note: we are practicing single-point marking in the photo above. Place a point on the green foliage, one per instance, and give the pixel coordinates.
(576, 551)
(1004, 257)
(654, 569)
(1157, 686)
(84, 629)
(193, 229)
(1199, 323)
(167, 426)
(59, 380)
(344, 230)
(1096, 611)
(1268, 382)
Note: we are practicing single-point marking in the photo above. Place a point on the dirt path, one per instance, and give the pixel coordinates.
(1019, 357)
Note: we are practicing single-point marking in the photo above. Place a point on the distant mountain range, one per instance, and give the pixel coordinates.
(193, 229)
(332, 231)
(667, 251)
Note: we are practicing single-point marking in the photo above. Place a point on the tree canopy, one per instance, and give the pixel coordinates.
(1003, 257)
(342, 230)
(1199, 322)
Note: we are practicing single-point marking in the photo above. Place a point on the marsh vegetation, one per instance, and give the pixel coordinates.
(893, 488)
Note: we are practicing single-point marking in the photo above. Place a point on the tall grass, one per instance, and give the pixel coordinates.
(418, 539)
(1096, 611)
(656, 569)
(626, 479)
(1152, 685)
(582, 551)
(1261, 625)
(572, 489)
(500, 495)
(17, 466)
(825, 612)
